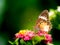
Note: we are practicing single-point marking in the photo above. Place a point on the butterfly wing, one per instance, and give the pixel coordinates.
(43, 17)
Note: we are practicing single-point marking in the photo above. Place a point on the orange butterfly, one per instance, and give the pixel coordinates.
(43, 22)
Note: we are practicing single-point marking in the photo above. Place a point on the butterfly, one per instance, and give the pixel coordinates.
(43, 23)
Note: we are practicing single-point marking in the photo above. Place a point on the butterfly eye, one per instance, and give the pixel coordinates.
(41, 22)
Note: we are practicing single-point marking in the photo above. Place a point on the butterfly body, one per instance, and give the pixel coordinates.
(43, 22)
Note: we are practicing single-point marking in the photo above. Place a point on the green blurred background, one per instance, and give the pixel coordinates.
(22, 14)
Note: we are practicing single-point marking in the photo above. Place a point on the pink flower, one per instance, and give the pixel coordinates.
(41, 33)
(26, 38)
(25, 34)
(48, 38)
(30, 34)
(19, 35)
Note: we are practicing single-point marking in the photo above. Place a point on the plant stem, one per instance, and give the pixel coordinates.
(33, 42)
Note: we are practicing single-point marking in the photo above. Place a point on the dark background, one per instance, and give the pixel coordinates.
(22, 14)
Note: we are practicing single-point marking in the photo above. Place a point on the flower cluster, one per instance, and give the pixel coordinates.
(48, 37)
(25, 34)
(29, 35)
(34, 37)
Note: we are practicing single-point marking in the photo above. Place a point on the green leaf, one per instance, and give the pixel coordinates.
(16, 41)
(11, 42)
(28, 43)
(33, 42)
(38, 38)
(22, 42)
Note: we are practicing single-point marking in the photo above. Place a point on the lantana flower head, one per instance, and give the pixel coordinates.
(25, 34)
(41, 33)
(48, 38)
